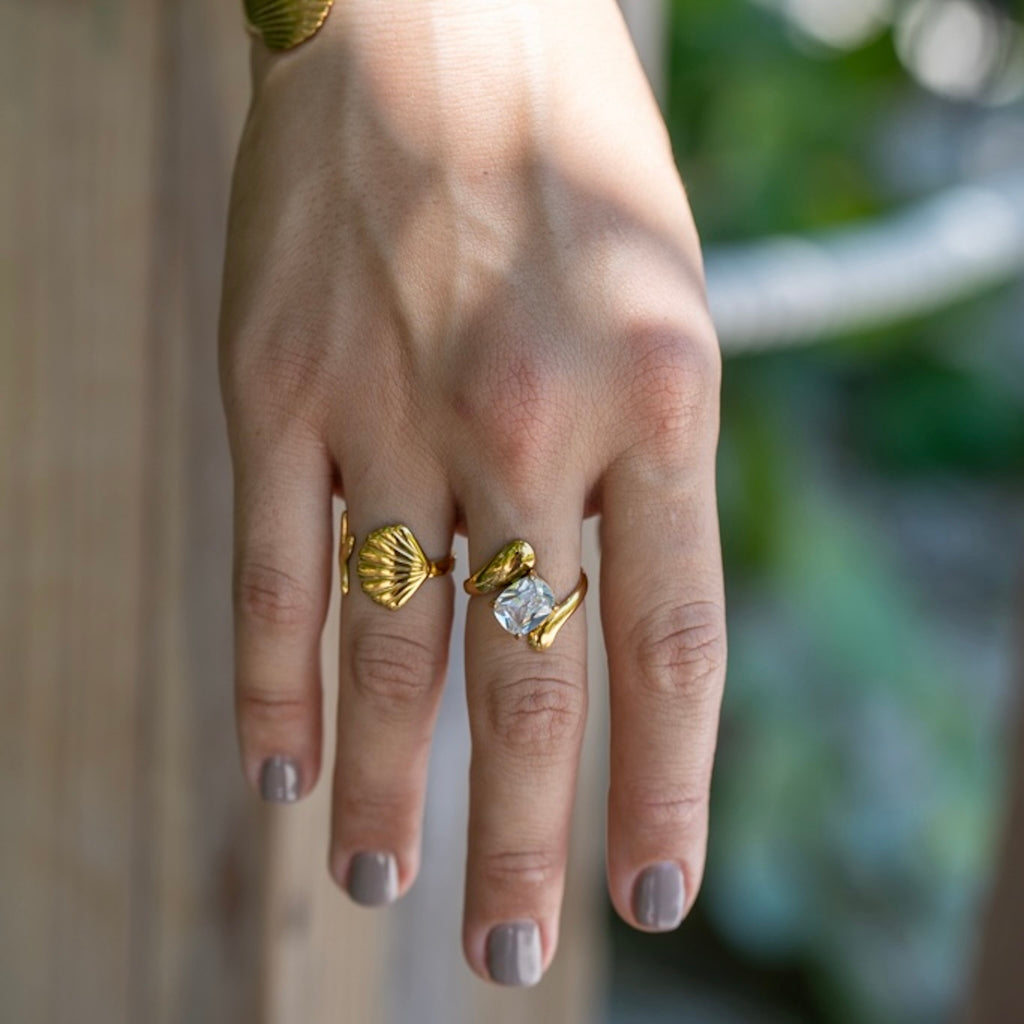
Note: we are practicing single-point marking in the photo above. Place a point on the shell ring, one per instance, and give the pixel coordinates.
(391, 565)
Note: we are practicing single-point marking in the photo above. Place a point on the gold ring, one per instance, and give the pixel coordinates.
(526, 605)
(392, 565)
(345, 545)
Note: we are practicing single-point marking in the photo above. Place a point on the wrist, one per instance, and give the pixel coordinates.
(415, 36)
(439, 71)
(475, 82)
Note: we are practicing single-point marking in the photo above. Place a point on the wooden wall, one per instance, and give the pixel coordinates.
(131, 861)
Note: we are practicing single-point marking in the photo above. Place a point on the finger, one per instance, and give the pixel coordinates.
(392, 668)
(526, 710)
(282, 564)
(662, 607)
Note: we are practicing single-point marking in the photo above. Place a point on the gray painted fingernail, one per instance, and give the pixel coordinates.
(373, 879)
(659, 895)
(514, 953)
(280, 780)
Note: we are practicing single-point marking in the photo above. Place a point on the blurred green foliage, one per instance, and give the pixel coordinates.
(769, 139)
(919, 413)
(866, 489)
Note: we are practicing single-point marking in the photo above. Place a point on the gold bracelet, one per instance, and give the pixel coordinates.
(282, 24)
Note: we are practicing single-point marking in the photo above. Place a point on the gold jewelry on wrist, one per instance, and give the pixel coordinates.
(282, 24)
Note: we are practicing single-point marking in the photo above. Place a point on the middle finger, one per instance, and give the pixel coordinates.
(526, 710)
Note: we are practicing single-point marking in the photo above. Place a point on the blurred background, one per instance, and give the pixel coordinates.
(871, 479)
(856, 169)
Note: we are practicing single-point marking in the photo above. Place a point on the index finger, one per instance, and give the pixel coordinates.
(662, 605)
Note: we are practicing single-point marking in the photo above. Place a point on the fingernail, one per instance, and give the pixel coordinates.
(514, 953)
(373, 879)
(659, 895)
(280, 780)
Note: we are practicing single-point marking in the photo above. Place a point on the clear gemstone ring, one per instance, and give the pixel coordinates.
(525, 604)
(522, 606)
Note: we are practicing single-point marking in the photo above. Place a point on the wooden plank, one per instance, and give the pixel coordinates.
(76, 218)
(199, 846)
(130, 849)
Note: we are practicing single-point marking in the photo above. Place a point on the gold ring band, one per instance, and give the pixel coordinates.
(392, 566)
(526, 604)
(346, 543)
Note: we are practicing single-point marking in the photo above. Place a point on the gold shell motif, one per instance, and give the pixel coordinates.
(392, 565)
(283, 24)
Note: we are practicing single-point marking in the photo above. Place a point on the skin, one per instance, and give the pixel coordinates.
(463, 289)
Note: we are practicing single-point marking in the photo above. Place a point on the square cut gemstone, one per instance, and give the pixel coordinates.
(522, 606)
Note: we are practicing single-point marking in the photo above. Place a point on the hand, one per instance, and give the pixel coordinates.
(463, 289)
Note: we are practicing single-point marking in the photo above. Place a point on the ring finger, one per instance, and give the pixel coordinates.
(391, 673)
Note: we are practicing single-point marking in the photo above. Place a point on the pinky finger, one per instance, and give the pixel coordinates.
(281, 587)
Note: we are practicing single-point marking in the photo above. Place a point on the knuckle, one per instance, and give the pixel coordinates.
(272, 597)
(680, 650)
(657, 807)
(396, 674)
(511, 871)
(538, 717)
(261, 704)
(673, 381)
(362, 809)
(287, 384)
(517, 408)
